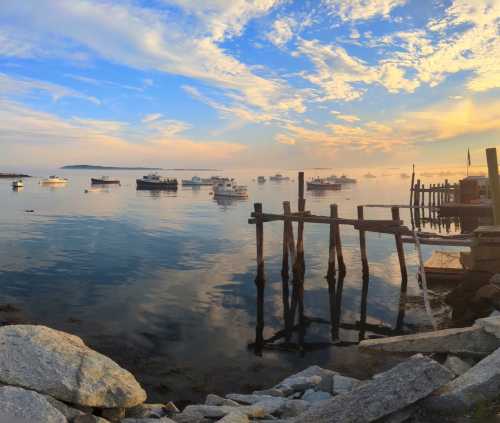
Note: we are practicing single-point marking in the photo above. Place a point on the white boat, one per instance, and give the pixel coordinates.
(230, 189)
(319, 183)
(261, 179)
(53, 180)
(196, 181)
(279, 177)
(370, 175)
(18, 184)
(342, 180)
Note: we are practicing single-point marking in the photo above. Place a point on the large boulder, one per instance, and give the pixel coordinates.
(21, 405)
(479, 384)
(389, 392)
(62, 366)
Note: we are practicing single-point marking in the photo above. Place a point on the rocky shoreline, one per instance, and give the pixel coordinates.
(51, 376)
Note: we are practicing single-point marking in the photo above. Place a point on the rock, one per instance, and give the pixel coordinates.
(146, 420)
(480, 383)
(89, 418)
(69, 412)
(273, 392)
(342, 384)
(293, 408)
(393, 390)
(27, 406)
(62, 366)
(217, 412)
(113, 414)
(234, 417)
(456, 365)
(191, 416)
(155, 411)
(314, 396)
(471, 340)
(490, 325)
(270, 406)
(313, 376)
(213, 399)
(248, 398)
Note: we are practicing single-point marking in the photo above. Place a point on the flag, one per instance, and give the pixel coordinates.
(468, 157)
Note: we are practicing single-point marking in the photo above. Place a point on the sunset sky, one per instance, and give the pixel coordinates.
(241, 83)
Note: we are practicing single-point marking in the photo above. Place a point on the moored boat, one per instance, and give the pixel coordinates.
(370, 175)
(319, 183)
(230, 189)
(261, 179)
(279, 177)
(54, 180)
(155, 181)
(196, 181)
(104, 180)
(345, 180)
(18, 184)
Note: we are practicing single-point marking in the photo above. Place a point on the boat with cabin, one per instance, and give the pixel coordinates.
(104, 180)
(196, 181)
(155, 181)
(230, 189)
(279, 177)
(370, 175)
(18, 184)
(323, 184)
(261, 179)
(341, 180)
(54, 180)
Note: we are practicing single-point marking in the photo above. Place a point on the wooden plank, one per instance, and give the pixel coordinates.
(310, 218)
(439, 241)
(465, 210)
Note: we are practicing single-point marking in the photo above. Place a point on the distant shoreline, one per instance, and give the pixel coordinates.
(96, 167)
(14, 175)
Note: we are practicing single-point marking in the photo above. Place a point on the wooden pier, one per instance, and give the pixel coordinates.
(295, 319)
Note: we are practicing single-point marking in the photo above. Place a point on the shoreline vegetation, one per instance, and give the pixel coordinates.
(13, 175)
(98, 167)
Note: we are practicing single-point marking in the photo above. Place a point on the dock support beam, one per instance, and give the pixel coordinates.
(491, 156)
(259, 280)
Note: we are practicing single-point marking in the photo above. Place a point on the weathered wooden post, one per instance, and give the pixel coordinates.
(330, 276)
(412, 186)
(491, 157)
(300, 259)
(366, 277)
(259, 280)
(334, 212)
(284, 270)
(400, 249)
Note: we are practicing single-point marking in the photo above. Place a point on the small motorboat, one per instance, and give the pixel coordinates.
(104, 180)
(18, 184)
(54, 180)
(261, 179)
(196, 181)
(319, 183)
(155, 181)
(279, 177)
(230, 189)
(370, 175)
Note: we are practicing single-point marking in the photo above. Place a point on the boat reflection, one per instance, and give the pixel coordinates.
(157, 193)
(227, 202)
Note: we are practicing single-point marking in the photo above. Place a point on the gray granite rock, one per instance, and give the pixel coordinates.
(274, 392)
(142, 411)
(343, 384)
(234, 417)
(490, 325)
(90, 418)
(213, 399)
(113, 414)
(314, 396)
(27, 406)
(293, 408)
(393, 390)
(217, 412)
(69, 412)
(191, 416)
(456, 365)
(312, 377)
(62, 366)
(248, 398)
(147, 420)
(471, 340)
(481, 383)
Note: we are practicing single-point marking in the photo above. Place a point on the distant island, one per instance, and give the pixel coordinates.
(14, 175)
(96, 167)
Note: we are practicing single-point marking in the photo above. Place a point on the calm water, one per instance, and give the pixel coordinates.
(163, 281)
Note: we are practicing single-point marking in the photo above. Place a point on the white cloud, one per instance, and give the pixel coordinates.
(347, 118)
(354, 10)
(285, 139)
(23, 86)
(282, 32)
(151, 117)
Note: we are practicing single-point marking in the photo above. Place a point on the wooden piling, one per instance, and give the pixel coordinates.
(491, 157)
(412, 186)
(259, 280)
(400, 250)
(334, 212)
(366, 277)
(285, 270)
(330, 277)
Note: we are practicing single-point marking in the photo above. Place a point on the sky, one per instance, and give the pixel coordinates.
(248, 83)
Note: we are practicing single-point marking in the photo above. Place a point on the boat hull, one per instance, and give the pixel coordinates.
(141, 184)
(227, 195)
(331, 187)
(95, 181)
